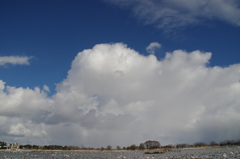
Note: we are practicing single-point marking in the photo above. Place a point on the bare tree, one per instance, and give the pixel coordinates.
(133, 147)
(213, 143)
(141, 146)
(199, 144)
(151, 144)
(118, 147)
(181, 145)
(109, 147)
(237, 142)
(227, 142)
(169, 146)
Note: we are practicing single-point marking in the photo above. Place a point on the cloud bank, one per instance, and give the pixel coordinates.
(14, 60)
(113, 95)
(179, 13)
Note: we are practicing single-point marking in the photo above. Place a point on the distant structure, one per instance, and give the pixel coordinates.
(13, 146)
(3, 145)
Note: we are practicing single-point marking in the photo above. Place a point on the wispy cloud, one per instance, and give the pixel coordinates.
(14, 60)
(152, 47)
(169, 14)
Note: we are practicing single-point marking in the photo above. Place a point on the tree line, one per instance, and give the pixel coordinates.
(149, 144)
(212, 143)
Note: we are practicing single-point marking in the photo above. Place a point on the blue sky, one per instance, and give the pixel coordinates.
(53, 32)
(49, 34)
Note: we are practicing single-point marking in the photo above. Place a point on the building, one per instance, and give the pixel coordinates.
(13, 146)
(3, 145)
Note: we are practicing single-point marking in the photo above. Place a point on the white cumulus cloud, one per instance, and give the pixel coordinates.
(152, 47)
(177, 13)
(14, 60)
(114, 95)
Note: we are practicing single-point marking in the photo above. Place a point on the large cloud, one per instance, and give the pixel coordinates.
(113, 95)
(177, 13)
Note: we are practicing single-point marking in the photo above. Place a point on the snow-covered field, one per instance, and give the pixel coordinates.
(213, 153)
